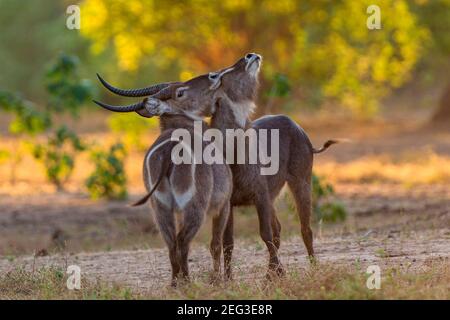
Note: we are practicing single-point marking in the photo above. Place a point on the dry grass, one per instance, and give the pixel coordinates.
(413, 169)
(319, 282)
(50, 283)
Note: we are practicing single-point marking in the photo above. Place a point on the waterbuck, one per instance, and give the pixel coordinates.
(233, 104)
(229, 98)
(191, 189)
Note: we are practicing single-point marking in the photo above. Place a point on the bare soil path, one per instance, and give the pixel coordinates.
(150, 269)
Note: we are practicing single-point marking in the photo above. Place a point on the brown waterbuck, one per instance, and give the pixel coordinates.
(191, 189)
(229, 98)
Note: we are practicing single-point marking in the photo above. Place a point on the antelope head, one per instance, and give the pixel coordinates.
(240, 81)
(196, 97)
(192, 97)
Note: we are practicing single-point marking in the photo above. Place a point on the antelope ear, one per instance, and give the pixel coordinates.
(215, 79)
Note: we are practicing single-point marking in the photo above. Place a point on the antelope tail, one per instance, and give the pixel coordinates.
(163, 173)
(325, 146)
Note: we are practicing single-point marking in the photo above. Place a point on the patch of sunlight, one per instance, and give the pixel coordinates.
(430, 168)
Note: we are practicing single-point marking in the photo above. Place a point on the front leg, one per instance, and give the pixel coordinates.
(228, 245)
(218, 228)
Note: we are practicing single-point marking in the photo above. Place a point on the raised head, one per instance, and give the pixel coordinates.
(197, 96)
(240, 81)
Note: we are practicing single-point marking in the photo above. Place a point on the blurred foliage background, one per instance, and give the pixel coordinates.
(323, 49)
(319, 56)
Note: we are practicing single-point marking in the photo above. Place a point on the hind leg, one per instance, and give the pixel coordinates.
(228, 246)
(218, 227)
(165, 219)
(266, 211)
(301, 190)
(192, 220)
(276, 231)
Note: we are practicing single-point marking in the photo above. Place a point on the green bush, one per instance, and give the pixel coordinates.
(325, 207)
(28, 120)
(281, 86)
(108, 179)
(66, 89)
(58, 155)
(67, 92)
(4, 155)
(132, 128)
(332, 212)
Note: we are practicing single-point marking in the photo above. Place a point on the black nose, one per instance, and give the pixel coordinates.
(249, 55)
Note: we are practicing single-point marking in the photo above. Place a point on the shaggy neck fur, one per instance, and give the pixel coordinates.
(238, 113)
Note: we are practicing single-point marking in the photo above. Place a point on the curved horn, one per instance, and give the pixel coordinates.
(129, 108)
(134, 92)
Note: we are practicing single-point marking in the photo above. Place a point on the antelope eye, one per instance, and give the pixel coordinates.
(180, 93)
(213, 75)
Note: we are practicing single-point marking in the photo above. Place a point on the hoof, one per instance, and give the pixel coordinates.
(313, 260)
(215, 279)
(179, 281)
(275, 272)
(228, 277)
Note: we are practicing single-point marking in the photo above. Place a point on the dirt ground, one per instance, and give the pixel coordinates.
(403, 222)
(150, 269)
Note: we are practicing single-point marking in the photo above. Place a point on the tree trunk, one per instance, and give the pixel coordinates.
(442, 116)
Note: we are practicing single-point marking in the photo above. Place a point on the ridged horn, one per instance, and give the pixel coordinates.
(129, 108)
(148, 91)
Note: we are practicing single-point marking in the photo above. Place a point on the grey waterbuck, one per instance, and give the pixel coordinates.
(192, 189)
(233, 104)
(229, 97)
